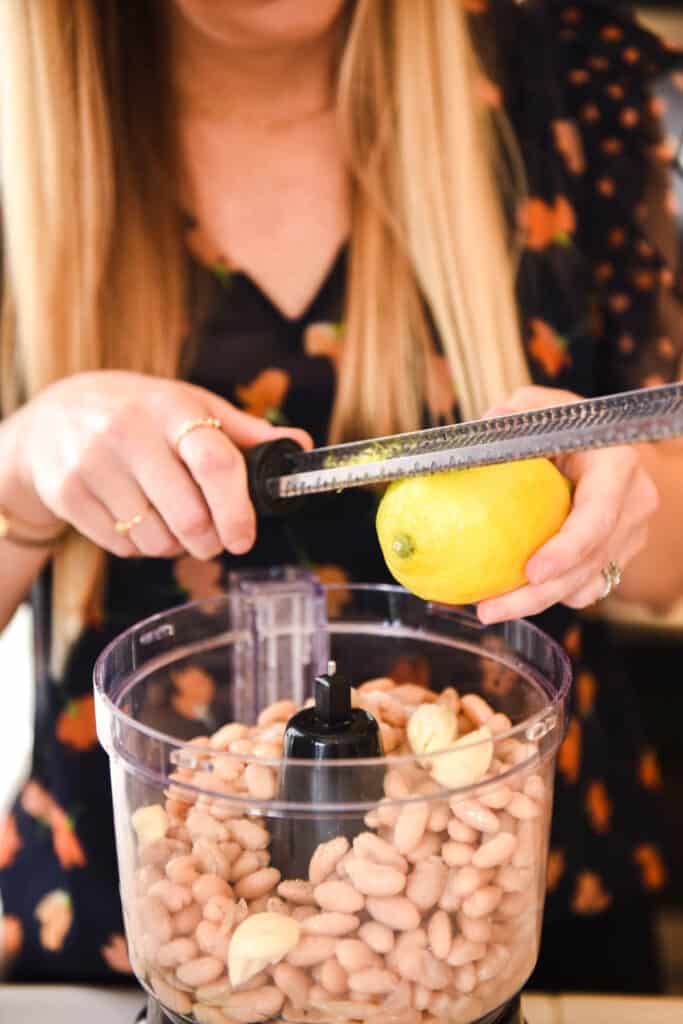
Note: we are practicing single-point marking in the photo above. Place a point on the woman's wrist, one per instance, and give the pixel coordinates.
(22, 511)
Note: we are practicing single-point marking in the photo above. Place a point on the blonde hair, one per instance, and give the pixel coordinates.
(92, 235)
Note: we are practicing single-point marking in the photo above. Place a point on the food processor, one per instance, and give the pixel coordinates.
(399, 880)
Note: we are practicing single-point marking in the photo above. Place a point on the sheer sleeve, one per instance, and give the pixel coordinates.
(623, 91)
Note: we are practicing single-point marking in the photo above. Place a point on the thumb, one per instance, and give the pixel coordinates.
(246, 430)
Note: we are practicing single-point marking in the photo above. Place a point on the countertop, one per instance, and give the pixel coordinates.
(65, 1004)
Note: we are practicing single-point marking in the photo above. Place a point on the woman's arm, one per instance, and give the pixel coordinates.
(655, 576)
(19, 565)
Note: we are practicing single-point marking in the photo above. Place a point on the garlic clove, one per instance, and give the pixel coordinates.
(432, 727)
(260, 941)
(467, 762)
(150, 823)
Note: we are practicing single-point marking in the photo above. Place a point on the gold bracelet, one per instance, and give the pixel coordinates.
(27, 536)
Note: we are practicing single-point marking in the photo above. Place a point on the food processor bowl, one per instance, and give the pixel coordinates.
(421, 902)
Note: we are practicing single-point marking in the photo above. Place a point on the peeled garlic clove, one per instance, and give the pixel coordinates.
(261, 940)
(150, 823)
(432, 727)
(468, 761)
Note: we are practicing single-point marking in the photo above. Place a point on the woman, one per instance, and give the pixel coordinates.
(226, 222)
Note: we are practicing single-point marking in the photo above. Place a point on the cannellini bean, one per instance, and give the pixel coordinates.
(301, 913)
(514, 903)
(493, 963)
(277, 906)
(527, 843)
(467, 881)
(381, 685)
(390, 737)
(422, 997)
(523, 807)
(146, 877)
(373, 981)
(426, 884)
(182, 870)
(174, 897)
(450, 898)
(482, 902)
(311, 950)
(465, 978)
(456, 855)
(247, 863)
(400, 998)
(497, 798)
(496, 851)
(370, 846)
(201, 971)
(354, 955)
(333, 977)
(386, 812)
(280, 711)
(160, 851)
(206, 936)
(251, 887)
(169, 996)
(294, 983)
(250, 835)
(499, 723)
(377, 936)
(260, 781)
(215, 858)
(208, 886)
(204, 1014)
(476, 709)
(296, 891)
(511, 879)
(440, 934)
(461, 832)
(375, 880)
(176, 952)
(242, 748)
(268, 751)
(338, 896)
(325, 859)
(413, 693)
(220, 910)
(396, 912)
(464, 951)
(257, 1004)
(535, 788)
(155, 918)
(410, 826)
(438, 818)
(429, 847)
(451, 697)
(203, 825)
(395, 786)
(228, 768)
(185, 921)
(474, 814)
(331, 923)
(474, 929)
(227, 734)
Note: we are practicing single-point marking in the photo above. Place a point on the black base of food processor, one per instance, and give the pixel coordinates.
(511, 1013)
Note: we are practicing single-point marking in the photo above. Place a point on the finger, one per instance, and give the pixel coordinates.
(119, 492)
(594, 589)
(598, 500)
(218, 468)
(169, 487)
(532, 600)
(246, 430)
(78, 505)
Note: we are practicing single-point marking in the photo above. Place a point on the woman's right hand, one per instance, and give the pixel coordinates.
(98, 448)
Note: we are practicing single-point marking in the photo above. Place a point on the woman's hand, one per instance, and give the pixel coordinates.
(100, 447)
(614, 499)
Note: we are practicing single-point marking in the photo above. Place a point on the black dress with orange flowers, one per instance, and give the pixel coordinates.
(601, 299)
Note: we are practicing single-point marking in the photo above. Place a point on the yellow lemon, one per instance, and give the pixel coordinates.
(466, 535)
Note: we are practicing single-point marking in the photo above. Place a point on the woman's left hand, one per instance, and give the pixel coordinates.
(614, 500)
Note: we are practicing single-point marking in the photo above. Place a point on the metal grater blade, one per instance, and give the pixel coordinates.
(647, 414)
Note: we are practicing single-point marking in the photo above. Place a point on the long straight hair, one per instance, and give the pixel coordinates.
(93, 257)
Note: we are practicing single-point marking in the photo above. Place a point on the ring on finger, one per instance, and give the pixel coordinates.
(124, 526)
(611, 574)
(203, 421)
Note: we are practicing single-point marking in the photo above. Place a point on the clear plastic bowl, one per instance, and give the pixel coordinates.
(440, 919)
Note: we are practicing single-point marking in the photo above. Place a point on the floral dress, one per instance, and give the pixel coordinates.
(591, 97)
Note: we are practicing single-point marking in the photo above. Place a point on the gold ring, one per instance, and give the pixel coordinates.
(124, 526)
(611, 574)
(205, 421)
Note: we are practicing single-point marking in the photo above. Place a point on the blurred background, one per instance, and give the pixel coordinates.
(653, 644)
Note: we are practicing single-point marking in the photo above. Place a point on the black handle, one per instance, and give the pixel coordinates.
(264, 462)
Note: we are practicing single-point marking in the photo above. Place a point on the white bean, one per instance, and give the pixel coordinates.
(396, 912)
(325, 859)
(440, 934)
(496, 851)
(201, 971)
(410, 826)
(377, 936)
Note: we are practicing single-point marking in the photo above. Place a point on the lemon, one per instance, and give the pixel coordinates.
(466, 535)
